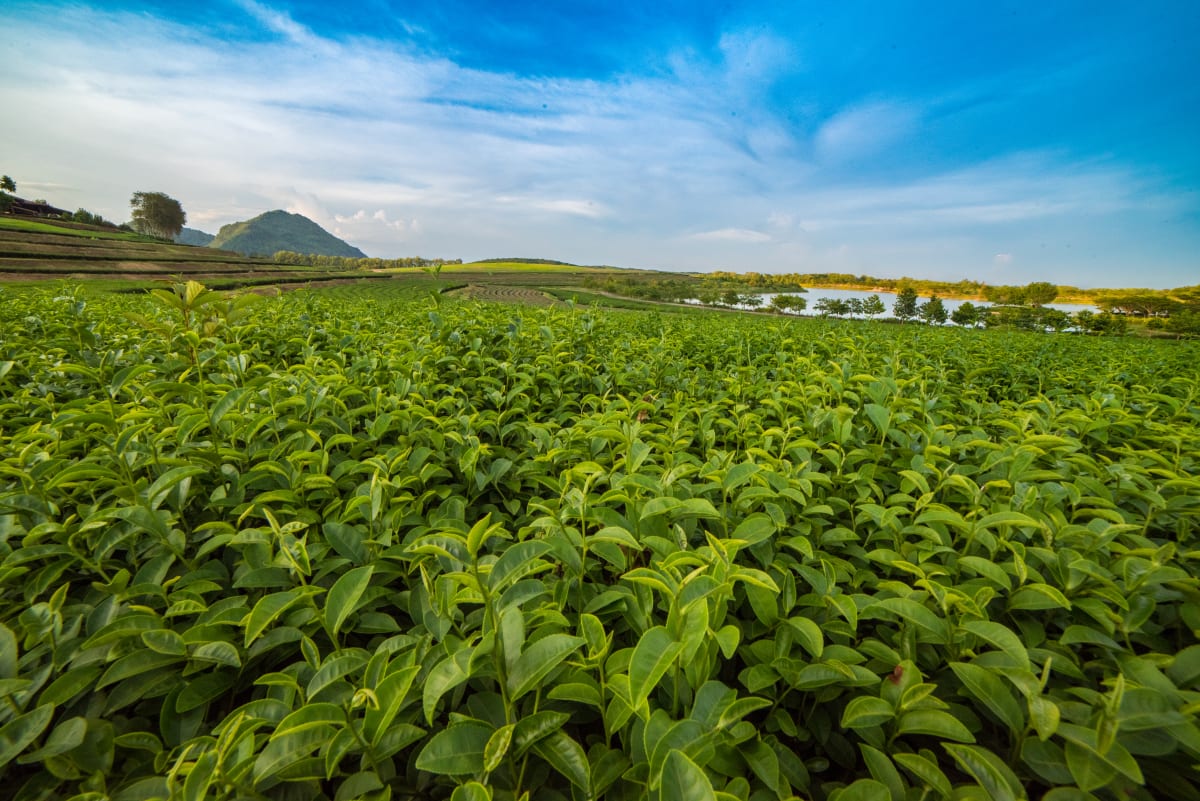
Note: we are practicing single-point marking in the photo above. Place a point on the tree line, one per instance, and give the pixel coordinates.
(347, 263)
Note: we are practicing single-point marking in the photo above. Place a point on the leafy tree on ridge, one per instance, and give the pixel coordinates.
(156, 214)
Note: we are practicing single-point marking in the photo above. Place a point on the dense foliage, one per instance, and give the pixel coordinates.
(156, 214)
(344, 545)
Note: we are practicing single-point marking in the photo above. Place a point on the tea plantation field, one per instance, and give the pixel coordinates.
(355, 543)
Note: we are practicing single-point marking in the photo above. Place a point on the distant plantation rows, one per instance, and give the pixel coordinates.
(351, 263)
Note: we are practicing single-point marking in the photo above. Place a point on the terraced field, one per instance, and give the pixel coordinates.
(43, 250)
(506, 293)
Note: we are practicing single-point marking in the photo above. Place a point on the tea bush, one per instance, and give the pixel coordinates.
(344, 545)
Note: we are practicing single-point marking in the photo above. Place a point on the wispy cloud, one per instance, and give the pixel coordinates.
(864, 130)
(731, 235)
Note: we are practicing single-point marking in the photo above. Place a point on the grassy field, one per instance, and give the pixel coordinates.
(373, 542)
(68, 229)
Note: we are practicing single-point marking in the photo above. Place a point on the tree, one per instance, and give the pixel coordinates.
(156, 214)
(782, 303)
(1056, 319)
(6, 185)
(1003, 295)
(1108, 323)
(905, 307)
(1039, 293)
(873, 306)
(835, 306)
(933, 312)
(855, 306)
(1186, 323)
(966, 315)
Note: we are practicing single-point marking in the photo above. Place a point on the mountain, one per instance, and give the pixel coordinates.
(190, 236)
(279, 230)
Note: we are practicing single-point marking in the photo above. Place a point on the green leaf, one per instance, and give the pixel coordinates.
(168, 481)
(310, 715)
(984, 687)
(66, 736)
(1037, 597)
(567, 757)
(727, 640)
(652, 657)
(532, 728)
(165, 641)
(1001, 637)
(934, 723)
(988, 569)
(616, 535)
(755, 529)
(226, 404)
(809, 635)
(683, 780)
(764, 763)
(863, 790)
(471, 791)
(1044, 714)
(391, 693)
(919, 615)
(516, 561)
(738, 475)
(927, 772)
(203, 689)
(988, 771)
(346, 540)
(8, 653)
(286, 750)
(456, 751)
(865, 711)
(539, 659)
(221, 653)
(344, 596)
(697, 507)
(1117, 757)
(998, 519)
(497, 747)
(270, 607)
(70, 684)
(445, 676)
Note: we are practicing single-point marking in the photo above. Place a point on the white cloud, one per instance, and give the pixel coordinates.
(1002, 258)
(732, 235)
(864, 130)
(282, 23)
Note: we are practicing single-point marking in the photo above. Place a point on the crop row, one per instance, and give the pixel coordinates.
(346, 545)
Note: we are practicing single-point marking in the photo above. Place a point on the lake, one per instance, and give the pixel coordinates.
(889, 298)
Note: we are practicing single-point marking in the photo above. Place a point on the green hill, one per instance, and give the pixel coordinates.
(191, 236)
(279, 230)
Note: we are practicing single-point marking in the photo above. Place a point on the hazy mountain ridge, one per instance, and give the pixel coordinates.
(193, 236)
(277, 230)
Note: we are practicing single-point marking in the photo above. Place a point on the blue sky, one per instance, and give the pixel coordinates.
(1004, 142)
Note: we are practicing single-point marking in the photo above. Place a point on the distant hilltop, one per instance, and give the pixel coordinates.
(269, 233)
(190, 236)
